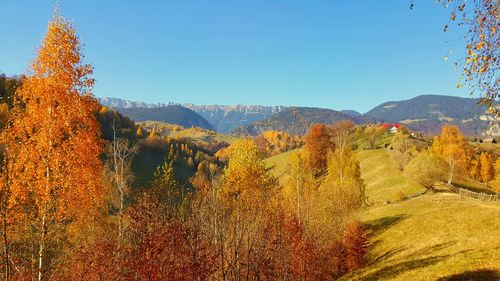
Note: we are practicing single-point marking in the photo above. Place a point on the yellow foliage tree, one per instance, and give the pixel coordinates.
(140, 132)
(487, 171)
(246, 189)
(453, 149)
(300, 186)
(475, 168)
(246, 173)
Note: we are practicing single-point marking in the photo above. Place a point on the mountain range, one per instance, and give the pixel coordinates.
(426, 113)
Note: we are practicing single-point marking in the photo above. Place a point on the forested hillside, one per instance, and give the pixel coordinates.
(113, 190)
(297, 120)
(174, 114)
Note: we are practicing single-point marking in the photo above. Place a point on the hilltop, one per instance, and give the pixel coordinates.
(427, 113)
(297, 120)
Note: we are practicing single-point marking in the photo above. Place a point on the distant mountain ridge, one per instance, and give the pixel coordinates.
(427, 113)
(223, 118)
(298, 120)
(122, 103)
(173, 114)
(226, 118)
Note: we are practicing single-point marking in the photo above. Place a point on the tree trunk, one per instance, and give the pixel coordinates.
(452, 172)
(5, 214)
(6, 246)
(297, 189)
(41, 249)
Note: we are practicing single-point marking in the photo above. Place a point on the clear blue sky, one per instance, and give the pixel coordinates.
(334, 54)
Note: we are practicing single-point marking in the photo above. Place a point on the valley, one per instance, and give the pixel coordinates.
(250, 140)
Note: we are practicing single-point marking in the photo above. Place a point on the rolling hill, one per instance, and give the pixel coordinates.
(173, 114)
(297, 120)
(434, 236)
(428, 113)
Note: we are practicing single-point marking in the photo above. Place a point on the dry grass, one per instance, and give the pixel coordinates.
(431, 237)
(384, 181)
(279, 165)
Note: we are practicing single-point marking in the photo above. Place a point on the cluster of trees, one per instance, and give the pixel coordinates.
(449, 157)
(371, 134)
(276, 142)
(68, 211)
(113, 124)
(181, 151)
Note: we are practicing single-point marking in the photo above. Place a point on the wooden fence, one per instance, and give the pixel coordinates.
(481, 196)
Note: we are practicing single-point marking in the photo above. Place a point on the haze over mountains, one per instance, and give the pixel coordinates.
(426, 113)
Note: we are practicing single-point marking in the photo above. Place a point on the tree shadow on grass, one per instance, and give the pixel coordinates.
(396, 269)
(408, 262)
(481, 274)
(376, 227)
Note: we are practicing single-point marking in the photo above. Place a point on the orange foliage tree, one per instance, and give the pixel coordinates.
(355, 243)
(56, 163)
(317, 145)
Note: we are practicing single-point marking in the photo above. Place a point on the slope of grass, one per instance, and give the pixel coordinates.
(384, 181)
(432, 237)
(278, 165)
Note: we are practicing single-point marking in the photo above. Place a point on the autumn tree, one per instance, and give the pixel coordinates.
(190, 162)
(140, 132)
(164, 247)
(342, 192)
(120, 154)
(372, 134)
(453, 149)
(317, 146)
(165, 185)
(8, 206)
(300, 186)
(355, 243)
(487, 171)
(245, 185)
(402, 147)
(57, 165)
(475, 168)
(481, 19)
(495, 183)
(426, 169)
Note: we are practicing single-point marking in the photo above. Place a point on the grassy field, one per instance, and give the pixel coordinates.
(278, 165)
(431, 237)
(438, 236)
(384, 181)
